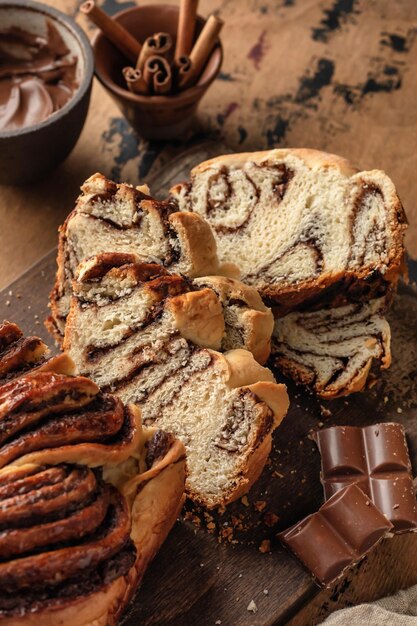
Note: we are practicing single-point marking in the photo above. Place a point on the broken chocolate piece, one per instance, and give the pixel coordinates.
(337, 536)
(376, 459)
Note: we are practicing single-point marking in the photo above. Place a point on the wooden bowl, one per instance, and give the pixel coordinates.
(153, 117)
(29, 153)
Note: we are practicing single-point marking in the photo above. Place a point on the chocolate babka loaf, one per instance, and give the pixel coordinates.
(73, 546)
(332, 350)
(109, 217)
(66, 552)
(305, 227)
(75, 541)
(20, 355)
(49, 418)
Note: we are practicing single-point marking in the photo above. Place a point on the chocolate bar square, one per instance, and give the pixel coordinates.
(338, 536)
(376, 459)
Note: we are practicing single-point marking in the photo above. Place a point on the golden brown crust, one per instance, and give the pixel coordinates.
(93, 454)
(101, 608)
(256, 319)
(198, 242)
(198, 317)
(315, 159)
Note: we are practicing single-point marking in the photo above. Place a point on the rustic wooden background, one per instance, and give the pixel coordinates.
(338, 75)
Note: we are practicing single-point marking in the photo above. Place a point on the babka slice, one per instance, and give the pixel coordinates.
(332, 350)
(131, 319)
(305, 227)
(20, 355)
(110, 217)
(224, 408)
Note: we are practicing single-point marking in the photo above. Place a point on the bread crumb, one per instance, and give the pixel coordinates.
(266, 592)
(7, 302)
(399, 410)
(259, 505)
(218, 621)
(270, 519)
(245, 501)
(265, 546)
(325, 411)
(252, 607)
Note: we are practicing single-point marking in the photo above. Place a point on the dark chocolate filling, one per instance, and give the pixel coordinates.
(158, 446)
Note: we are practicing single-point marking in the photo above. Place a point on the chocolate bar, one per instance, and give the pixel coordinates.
(376, 459)
(337, 536)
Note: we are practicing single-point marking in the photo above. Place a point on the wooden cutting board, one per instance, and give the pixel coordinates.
(214, 564)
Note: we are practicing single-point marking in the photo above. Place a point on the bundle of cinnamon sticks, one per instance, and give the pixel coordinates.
(159, 68)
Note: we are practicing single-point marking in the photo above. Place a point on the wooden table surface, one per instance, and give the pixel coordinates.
(338, 75)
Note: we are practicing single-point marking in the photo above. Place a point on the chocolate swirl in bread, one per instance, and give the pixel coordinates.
(110, 217)
(48, 418)
(298, 222)
(64, 535)
(331, 350)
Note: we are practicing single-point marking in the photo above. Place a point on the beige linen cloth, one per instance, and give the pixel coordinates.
(397, 610)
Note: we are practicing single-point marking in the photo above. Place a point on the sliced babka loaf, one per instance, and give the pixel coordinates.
(305, 227)
(332, 350)
(21, 355)
(109, 217)
(248, 322)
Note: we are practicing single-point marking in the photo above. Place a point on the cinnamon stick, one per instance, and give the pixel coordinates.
(159, 44)
(181, 67)
(202, 49)
(135, 81)
(186, 27)
(157, 73)
(118, 35)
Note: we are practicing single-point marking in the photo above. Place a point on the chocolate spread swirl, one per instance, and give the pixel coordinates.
(37, 76)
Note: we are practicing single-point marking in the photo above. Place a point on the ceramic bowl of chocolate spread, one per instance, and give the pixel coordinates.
(46, 72)
(156, 116)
